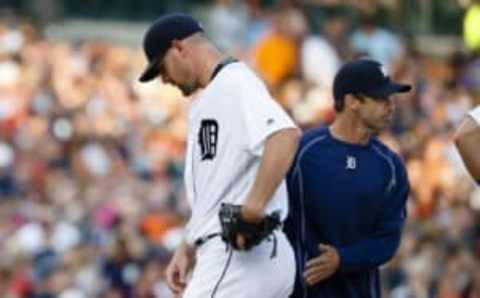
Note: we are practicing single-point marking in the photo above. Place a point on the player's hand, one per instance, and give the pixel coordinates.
(323, 266)
(179, 267)
(250, 213)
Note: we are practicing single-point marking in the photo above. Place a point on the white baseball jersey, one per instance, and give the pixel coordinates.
(228, 126)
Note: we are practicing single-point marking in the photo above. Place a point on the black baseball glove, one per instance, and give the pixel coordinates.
(233, 225)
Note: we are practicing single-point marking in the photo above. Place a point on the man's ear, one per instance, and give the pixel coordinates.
(351, 102)
(178, 45)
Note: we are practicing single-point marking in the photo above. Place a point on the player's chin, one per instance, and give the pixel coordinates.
(386, 121)
(379, 126)
(186, 92)
(188, 89)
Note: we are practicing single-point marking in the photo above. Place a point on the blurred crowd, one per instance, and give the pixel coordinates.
(92, 202)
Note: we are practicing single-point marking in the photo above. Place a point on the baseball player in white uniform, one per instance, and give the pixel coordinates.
(467, 140)
(240, 146)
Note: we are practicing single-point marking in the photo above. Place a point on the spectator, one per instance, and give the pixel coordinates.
(375, 42)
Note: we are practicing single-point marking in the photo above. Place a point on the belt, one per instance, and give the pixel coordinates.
(202, 240)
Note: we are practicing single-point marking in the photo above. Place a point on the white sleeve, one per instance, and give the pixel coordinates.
(475, 114)
(262, 115)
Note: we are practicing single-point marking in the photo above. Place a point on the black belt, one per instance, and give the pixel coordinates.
(202, 240)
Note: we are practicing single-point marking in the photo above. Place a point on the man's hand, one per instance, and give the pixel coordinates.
(179, 267)
(250, 213)
(241, 234)
(323, 266)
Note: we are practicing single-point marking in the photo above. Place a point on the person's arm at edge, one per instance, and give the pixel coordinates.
(179, 267)
(279, 152)
(467, 141)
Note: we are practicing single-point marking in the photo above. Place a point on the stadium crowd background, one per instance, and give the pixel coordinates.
(91, 192)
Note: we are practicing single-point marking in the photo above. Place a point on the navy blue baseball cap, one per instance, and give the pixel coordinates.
(365, 77)
(158, 39)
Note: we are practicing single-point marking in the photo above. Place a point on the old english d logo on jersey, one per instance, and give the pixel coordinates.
(207, 138)
(351, 163)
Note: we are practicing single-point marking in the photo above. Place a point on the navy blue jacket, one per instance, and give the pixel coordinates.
(352, 197)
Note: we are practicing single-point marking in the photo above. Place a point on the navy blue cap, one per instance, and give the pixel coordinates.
(158, 39)
(365, 77)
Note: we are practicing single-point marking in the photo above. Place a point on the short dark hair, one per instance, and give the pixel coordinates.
(339, 105)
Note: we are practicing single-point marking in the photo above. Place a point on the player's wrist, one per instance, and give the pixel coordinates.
(252, 211)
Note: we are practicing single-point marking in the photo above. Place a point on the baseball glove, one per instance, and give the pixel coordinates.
(233, 225)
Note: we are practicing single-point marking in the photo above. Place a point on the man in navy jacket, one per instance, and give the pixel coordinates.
(348, 191)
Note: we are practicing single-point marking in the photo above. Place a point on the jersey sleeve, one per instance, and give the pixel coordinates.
(382, 245)
(475, 114)
(262, 115)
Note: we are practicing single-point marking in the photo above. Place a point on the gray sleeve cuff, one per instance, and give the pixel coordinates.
(475, 114)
